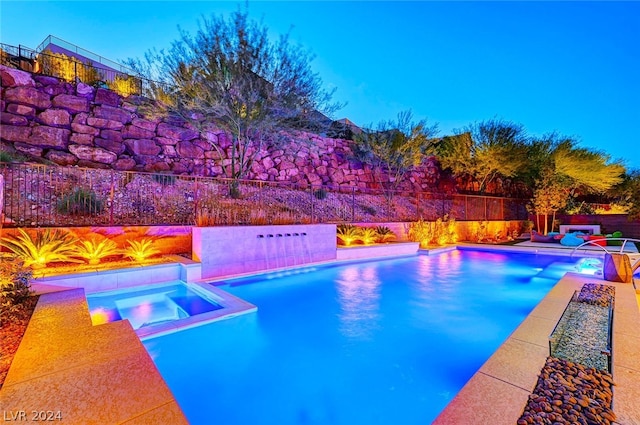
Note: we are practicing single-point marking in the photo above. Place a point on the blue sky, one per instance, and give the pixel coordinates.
(570, 67)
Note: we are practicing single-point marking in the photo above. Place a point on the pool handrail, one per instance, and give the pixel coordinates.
(634, 257)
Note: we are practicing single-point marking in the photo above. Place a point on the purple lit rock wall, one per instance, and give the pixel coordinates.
(79, 125)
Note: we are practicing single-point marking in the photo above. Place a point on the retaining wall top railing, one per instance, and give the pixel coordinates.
(100, 74)
(38, 195)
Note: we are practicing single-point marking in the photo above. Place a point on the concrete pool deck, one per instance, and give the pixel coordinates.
(89, 374)
(498, 392)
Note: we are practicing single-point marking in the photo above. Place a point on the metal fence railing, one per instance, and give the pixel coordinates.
(39, 195)
(70, 69)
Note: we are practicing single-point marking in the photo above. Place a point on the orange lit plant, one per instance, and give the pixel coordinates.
(93, 251)
(47, 246)
(140, 251)
(348, 234)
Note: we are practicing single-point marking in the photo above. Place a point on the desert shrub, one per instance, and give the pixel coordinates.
(479, 231)
(14, 283)
(80, 202)
(47, 246)
(445, 230)
(284, 216)
(93, 251)
(140, 251)
(205, 218)
(384, 234)
(421, 231)
(258, 217)
(7, 156)
(320, 193)
(368, 209)
(164, 179)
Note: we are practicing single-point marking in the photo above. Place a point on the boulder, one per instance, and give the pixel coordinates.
(54, 90)
(104, 123)
(81, 139)
(15, 134)
(14, 77)
(11, 119)
(96, 155)
(27, 111)
(189, 150)
(134, 132)
(124, 164)
(165, 141)
(180, 167)
(110, 145)
(84, 129)
(114, 135)
(26, 95)
(85, 90)
(73, 104)
(142, 147)
(80, 118)
(49, 137)
(61, 158)
(144, 124)
(169, 151)
(55, 118)
(112, 114)
(28, 149)
(46, 80)
(157, 167)
(107, 97)
(176, 133)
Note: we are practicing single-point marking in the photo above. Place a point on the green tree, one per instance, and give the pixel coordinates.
(231, 76)
(563, 170)
(549, 196)
(627, 192)
(484, 151)
(585, 170)
(394, 148)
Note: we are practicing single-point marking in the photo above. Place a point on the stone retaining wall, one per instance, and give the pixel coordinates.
(80, 125)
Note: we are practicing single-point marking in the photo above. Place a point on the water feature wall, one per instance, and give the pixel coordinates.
(235, 249)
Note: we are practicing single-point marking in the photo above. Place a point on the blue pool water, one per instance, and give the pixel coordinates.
(386, 342)
(148, 306)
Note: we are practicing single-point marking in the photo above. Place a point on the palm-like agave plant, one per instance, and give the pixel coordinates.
(93, 251)
(348, 234)
(368, 235)
(47, 246)
(385, 234)
(141, 250)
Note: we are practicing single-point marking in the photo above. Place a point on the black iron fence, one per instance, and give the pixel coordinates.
(74, 71)
(38, 195)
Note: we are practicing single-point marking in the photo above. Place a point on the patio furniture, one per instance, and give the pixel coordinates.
(539, 237)
(573, 239)
(616, 234)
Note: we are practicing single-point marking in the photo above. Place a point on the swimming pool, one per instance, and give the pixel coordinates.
(385, 342)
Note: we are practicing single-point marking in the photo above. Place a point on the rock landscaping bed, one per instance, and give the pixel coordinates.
(575, 386)
(570, 393)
